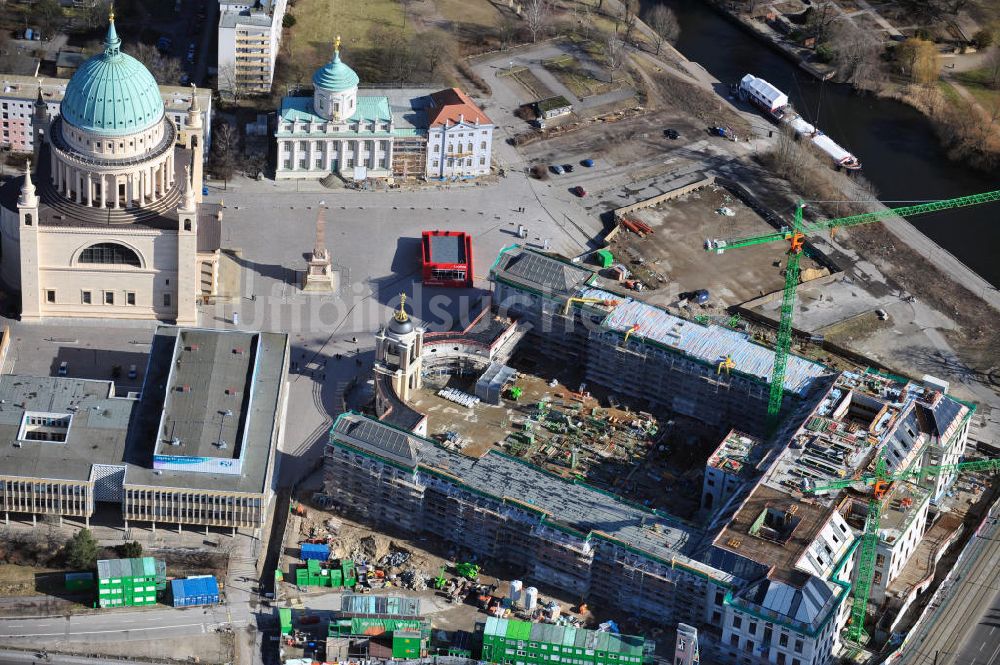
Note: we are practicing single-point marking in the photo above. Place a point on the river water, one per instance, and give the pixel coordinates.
(899, 151)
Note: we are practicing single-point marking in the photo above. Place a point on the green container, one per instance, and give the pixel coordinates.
(336, 578)
(79, 581)
(604, 258)
(302, 577)
(285, 617)
(406, 644)
(347, 567)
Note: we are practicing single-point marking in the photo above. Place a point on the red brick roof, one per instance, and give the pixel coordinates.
(451, 104)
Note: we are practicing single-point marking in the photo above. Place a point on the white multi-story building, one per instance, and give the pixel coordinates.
(18, 95)
(249, 36)
(459, 136)
(383, 134)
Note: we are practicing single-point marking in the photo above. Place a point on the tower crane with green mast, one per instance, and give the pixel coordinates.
(796, 238)
(880, 482)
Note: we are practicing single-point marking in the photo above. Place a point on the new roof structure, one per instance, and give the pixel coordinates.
(708, 343)
(452, 106)
(575, 505)
(539, 272)
(566, 636)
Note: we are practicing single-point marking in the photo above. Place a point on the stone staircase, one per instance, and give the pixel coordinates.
(151, 214)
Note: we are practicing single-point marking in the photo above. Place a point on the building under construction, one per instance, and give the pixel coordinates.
(708, 372)
(767, 576)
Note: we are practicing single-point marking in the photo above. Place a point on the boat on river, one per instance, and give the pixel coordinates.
(776, 107)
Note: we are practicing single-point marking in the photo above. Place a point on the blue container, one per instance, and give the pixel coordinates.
(317, 551)
(192, 591)
(27, 33)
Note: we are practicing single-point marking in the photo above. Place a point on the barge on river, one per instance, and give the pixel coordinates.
(774, 103)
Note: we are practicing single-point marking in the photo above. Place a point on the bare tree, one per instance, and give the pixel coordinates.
(664, 23)
(992, 68)
(225, 147)
(506, 32)
(166, 70)
(537, 14)
(629, 17)
(918, 59)
(858, 56)
(96, 13)
(614, 54)
(230, 82)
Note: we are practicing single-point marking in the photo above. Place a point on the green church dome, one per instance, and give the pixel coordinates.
(112, 93)
(335, 76)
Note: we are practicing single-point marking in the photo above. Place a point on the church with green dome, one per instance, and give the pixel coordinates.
(381, 135)
(111, 223)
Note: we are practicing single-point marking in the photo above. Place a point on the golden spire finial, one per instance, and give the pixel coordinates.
(401, 314)
(111, 14)
(336, 46)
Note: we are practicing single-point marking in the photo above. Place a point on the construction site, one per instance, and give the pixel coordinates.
(619, 447)
(659, 242)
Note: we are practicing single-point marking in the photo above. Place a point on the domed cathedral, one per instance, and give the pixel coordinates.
(111, 222)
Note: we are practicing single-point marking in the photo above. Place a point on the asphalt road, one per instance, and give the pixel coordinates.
(965, 629)
(121, 626)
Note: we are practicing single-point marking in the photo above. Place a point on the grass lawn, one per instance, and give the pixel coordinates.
(979, 82)
(579, 80)
(534, 88)
(20, 580)
(309, 43)
(479, 13)
(949, 92)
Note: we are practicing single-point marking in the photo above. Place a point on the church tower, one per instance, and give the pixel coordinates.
(398, 349)
(27, 208)
(39, 124)
(193, 137)
(187, 254)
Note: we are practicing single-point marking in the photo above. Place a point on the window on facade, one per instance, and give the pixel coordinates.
(435, 163)
(482, 145)
(287, 164)
(783, 639)
(109, 298)
(130, 297)
(737, 622)
(798, 646)
(482, 161)
(50, 295)
(110, 253)
(734, 640)
(781, 658)
(85, 297)
(437, 147)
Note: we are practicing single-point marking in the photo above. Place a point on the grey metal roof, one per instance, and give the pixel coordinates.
(945, 412)
(578, 506)
(208, 391)
(272, 364)
(806, 605)
(378, 438)
(97, 433)
(122, 431)
(540, 272)
(447, 249)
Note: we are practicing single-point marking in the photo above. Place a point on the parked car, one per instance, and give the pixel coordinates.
(568, 168)
(579, 191)
(587, 162)
(672, 134)
(557, 169)
(699, 297)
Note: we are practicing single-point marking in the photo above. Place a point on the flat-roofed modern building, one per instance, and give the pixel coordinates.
(196, 447)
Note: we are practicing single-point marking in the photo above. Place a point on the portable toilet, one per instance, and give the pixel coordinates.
(604, 257)
(406, 644)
